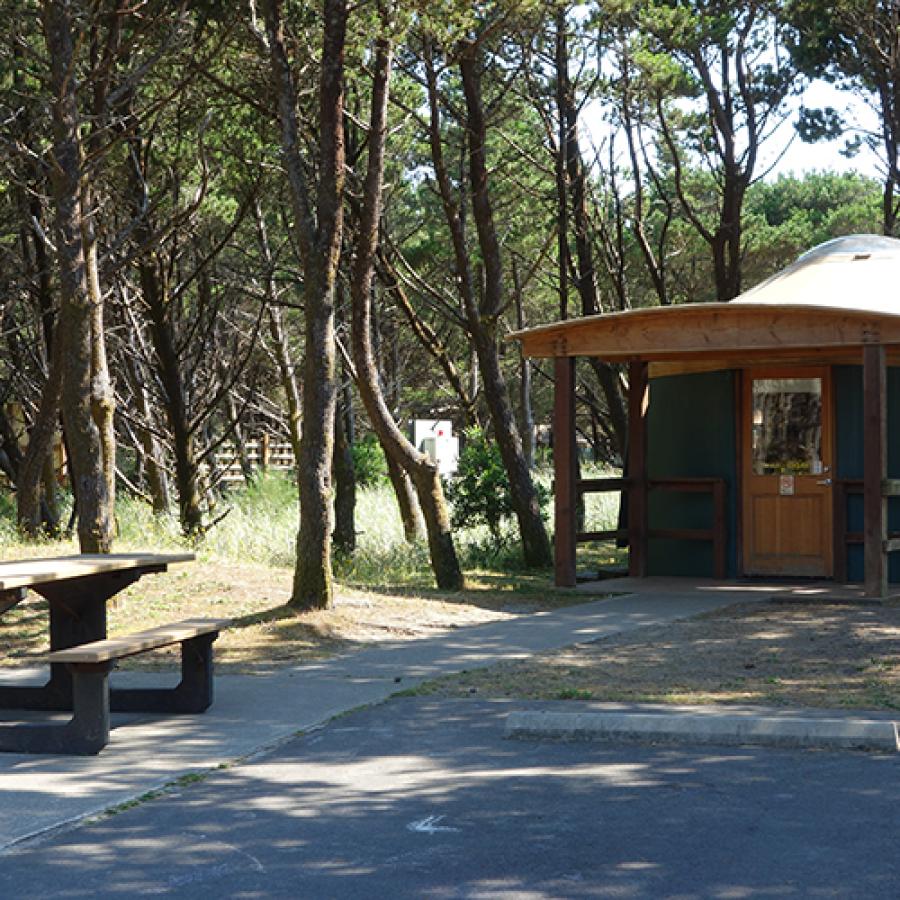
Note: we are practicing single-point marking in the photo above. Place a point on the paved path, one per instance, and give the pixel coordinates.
(424, 798)
(252, 713)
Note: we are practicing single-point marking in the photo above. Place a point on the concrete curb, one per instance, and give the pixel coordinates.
(709, 728)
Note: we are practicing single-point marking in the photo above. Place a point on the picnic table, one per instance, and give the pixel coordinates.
(77, 589)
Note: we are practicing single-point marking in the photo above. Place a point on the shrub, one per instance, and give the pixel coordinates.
(369, 463)
(480, 492)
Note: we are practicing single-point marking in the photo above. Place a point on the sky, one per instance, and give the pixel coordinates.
(823, 155)
(775, 160)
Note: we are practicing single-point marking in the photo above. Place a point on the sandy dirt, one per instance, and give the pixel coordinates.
(832, 655)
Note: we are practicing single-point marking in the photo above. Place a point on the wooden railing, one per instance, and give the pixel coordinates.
(717, 534)
(843, 537)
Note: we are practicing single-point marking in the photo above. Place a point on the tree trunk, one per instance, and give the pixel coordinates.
(483, 325)
(154, 283)
(40, 446)
(422, 472)
(279, 338)
(239, 436)
(50, 507)
(572, 185)
(319, 231)
(187, 469)
(9, 448)
(157, 478)
(525, 407)
(410, 514)
(77, 331)
(344, 536)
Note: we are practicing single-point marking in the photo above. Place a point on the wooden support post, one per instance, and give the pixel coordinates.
(839, 554)
(638, 398)
(720, 531)
(565, 469)
(874, 469)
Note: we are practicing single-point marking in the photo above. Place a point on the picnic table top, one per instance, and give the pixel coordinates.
(26, 572)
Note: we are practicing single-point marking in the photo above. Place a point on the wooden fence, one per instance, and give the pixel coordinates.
(261, 453)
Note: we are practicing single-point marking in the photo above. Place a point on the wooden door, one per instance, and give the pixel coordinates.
(787, 472)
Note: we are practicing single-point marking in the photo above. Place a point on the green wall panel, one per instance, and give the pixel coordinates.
(691, 434)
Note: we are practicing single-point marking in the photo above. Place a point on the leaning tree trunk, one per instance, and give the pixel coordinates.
(482, 315)
(421, 470)
(280, 346)
(483, 320)
(410, 514)
(76, 330)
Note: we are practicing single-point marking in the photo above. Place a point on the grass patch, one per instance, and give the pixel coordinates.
(775, 654)
(244, 572)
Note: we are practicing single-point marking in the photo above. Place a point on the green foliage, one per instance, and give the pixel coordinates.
(480, 491)
(369, 464)
(786, 217)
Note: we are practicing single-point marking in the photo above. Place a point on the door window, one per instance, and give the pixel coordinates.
(787, 426)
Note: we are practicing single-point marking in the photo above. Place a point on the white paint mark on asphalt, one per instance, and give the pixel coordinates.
(430, 825)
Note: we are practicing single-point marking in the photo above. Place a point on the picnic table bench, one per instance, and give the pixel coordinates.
(81, 656)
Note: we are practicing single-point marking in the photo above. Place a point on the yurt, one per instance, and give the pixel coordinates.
(764, 433)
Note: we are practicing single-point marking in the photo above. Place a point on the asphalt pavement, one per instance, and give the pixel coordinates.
(424, 798)
(252, 713)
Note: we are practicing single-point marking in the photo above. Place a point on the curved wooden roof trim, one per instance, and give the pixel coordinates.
(737, 330)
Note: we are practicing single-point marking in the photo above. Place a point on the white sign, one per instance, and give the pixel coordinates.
(435, 438)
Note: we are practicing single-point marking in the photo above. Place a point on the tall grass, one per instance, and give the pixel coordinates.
(258, 523)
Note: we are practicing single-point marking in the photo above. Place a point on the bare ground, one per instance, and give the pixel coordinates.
(809, 654)
(777, 653)
(266, 632)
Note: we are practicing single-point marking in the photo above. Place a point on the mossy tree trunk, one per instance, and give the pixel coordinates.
(318, 225)
(77, 331)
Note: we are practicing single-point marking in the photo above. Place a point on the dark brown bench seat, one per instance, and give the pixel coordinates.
(90, 664)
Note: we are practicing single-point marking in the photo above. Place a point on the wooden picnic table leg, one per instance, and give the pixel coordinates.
(86, 733)
(193, 694)
(77, 616)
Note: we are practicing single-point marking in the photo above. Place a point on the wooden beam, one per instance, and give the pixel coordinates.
(602, 485)
(638, 402)
(587, 537)
(874, 470)
(733, 330)
(565, 470)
